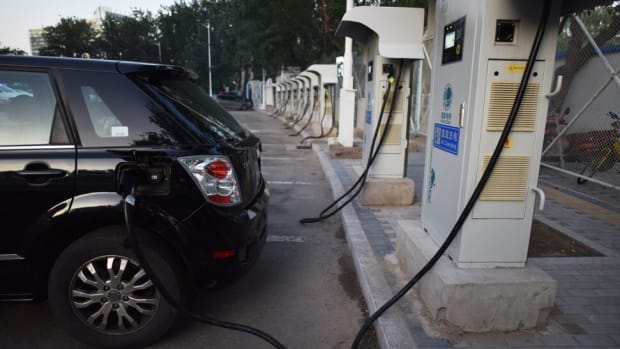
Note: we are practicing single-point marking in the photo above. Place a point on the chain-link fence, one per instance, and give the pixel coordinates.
(582, 134)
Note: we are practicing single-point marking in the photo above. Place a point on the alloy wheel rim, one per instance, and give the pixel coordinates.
(112, 294)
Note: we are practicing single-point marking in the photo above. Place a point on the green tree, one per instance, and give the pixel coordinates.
(11, 51)
(129, 38)
(245, 35)
(184, 37)
(394, 3)
(71, 37)
(276, 33)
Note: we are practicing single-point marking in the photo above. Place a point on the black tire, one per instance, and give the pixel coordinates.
(81, 299)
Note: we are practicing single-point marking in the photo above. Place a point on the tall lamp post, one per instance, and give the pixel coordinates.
(209, 55)
(158, 44)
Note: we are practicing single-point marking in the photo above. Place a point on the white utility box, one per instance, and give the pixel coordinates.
(480, 52)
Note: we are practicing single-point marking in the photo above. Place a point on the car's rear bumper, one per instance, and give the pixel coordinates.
(221, 244)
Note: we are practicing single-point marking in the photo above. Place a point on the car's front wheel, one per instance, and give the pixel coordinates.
(101, 294)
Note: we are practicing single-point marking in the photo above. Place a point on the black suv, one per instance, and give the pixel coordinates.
(70, 131)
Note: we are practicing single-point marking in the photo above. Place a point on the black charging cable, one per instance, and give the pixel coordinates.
(284, 105)
(323, 133)
(356, 188)
(129, 205)
(281, 108)
(296, 104)
(300, 116)
(309, 119)
(479, 187)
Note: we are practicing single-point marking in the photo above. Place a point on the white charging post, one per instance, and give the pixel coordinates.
(310, 82)
(390, 35)
(480, 52)
(298, 85)
(313, 98)
(481, 48)
(270, 93)
(282, 96)
(327, 75)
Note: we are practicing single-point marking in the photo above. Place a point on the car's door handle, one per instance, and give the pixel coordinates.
(50, 173)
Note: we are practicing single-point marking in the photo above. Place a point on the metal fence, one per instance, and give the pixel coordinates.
(582, 134)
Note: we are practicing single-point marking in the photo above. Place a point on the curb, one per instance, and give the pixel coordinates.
(391, 329)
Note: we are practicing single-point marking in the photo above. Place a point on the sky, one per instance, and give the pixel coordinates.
(18, 16)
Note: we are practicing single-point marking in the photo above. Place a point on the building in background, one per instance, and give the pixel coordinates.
(37, 41)
(101, 13)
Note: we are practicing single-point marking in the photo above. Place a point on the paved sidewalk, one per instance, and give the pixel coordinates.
(587, 310)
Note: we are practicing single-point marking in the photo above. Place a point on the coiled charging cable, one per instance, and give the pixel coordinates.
(129, 205)
(479, 187)
(322, 133)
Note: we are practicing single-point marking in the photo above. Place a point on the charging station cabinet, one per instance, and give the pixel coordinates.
(298, 86)
(311, 83)
(390, 35)
(392, 158)
(327, 78)
(479, 56)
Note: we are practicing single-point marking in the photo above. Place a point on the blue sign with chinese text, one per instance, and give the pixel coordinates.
(446, 138)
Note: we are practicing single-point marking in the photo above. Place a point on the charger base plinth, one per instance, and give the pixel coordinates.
(339, 151)
(476, 299)
(385, 191)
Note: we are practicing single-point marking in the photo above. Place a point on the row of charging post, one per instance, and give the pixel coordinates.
(306, 99)
(480, 52)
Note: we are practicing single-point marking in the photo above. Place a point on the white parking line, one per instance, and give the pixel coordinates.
(289, 183)
(265, 131)
(285, 238)
(266, 158)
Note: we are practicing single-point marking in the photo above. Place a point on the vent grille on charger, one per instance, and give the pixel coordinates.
(502, 97)
(508, 182)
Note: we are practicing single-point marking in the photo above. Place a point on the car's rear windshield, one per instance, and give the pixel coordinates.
(190, 100)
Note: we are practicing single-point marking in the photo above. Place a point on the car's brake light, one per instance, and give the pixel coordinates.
(215, 176)
(218, 169)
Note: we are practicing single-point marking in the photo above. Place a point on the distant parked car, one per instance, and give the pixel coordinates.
(233, 101)
(231, 96)
(63, 150)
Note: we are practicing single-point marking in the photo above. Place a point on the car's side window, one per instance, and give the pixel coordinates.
(105, 123)
(111, 111)
(27, 109)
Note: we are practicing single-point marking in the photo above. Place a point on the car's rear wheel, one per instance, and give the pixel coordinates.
(101, 294)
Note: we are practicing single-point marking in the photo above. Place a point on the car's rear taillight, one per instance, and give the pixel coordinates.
(215, 176)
